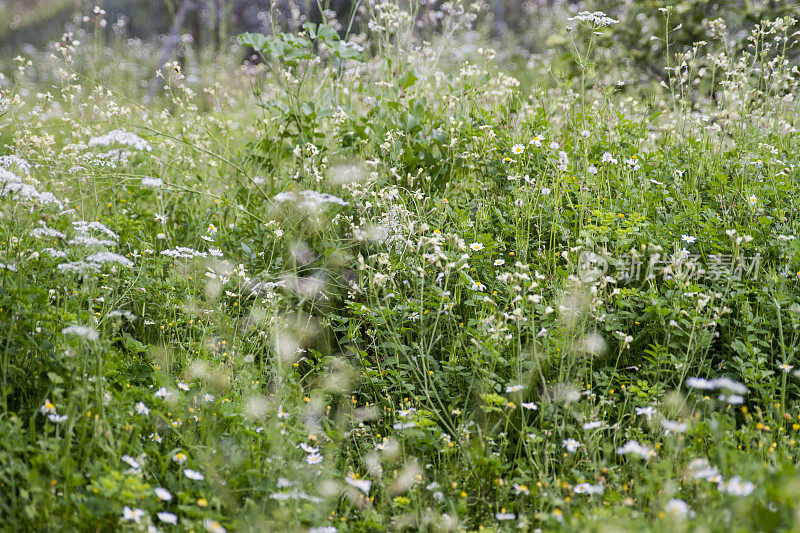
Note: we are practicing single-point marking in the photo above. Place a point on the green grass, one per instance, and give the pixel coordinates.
(356, 290)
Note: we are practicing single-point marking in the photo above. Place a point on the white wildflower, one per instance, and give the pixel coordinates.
(152, 182)
(309, 200)
(587, 488)
(86, 332)
(701, 469)
(212, 526)
(133, 515)
(608, 158)
(678, 509)
(7, 161)
(363, 485)
(163, 393)
(314, 459)
(648, 411)
(736, 486)
(598, 19)
(103, 258)
(133, 463)
(167, 517)
(633, 447)
(47, 232)
(671, 426)
(193, 474)
(163, 494)
(120, 137)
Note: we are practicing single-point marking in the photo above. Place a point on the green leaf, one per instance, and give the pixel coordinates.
(311, 28)
(257, 41)
(327, 34)
(343, 50)
(408, 79)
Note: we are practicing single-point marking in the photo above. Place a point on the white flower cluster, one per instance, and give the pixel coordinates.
(678, 509)
(309, 200)
(10, 184)
(716, 383)
(700, 469)
(84, 235)
(294, 494)
(363, 485)
(77, 267)
(44, 231)
(598, 19)
(12, 160)
(127, 314)
(121, 137)
(116, 155)
(183, 252)
(152, 182)
(634, 448)
(84, 230)
(52, 252)
(49, 410)
(83, 239)
(587, 488)
(89, 240)
(736, 486)
(103, 258)
(86, 332)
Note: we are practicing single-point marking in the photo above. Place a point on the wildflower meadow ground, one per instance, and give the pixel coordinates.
(404, 276)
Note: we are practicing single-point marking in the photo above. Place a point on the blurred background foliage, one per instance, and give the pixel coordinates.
(526, 31)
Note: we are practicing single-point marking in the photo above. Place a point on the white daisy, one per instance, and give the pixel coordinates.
(133, 463)
(133, 515)
(363, 485)
(163, 494)
(314, 459)
(167, 517)
(193, 474)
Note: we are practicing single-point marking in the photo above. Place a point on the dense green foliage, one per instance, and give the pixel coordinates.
(378, 283)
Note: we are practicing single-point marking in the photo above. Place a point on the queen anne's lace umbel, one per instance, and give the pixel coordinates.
(122, 137)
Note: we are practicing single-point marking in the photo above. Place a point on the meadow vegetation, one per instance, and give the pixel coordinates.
(397, 276)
